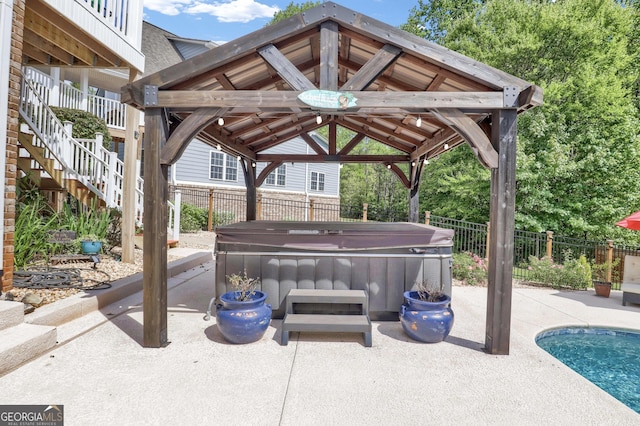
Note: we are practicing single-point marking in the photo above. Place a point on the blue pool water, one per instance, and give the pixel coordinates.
(610, 358)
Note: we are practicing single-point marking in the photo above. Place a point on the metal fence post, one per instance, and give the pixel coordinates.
(364, 211)
(488, 240)
(427, 217)
(550, 244)
(210, 221)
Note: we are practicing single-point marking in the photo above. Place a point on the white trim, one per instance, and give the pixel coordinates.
(6, 18)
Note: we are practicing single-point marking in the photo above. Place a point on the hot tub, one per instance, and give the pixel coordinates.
(384, 259)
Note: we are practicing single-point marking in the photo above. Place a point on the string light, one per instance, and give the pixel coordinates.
(238, 158)
(426, 161)
(413, 164)
(220, 121)
(389, 166)
(253, 164)
(419, 122)
(341, 165)
(446, 146)
(319, 119)
(219, 148)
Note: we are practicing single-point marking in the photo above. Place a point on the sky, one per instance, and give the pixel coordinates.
(225, 20)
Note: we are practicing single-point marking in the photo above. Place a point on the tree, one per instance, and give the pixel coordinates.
(578, 164)
(293, 9)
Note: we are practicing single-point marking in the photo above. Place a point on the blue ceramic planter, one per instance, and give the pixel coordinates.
(428, 322)
(243, 322)
(91, 247)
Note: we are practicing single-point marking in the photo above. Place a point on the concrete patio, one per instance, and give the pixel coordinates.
(103, 376)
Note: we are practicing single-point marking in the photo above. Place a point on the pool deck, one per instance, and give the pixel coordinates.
(102, 375)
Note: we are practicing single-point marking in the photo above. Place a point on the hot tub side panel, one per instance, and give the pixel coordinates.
(385, 278)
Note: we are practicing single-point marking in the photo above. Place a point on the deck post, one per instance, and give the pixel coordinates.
(502, 210)
(154, 287)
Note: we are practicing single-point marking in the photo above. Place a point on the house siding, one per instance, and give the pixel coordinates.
(17, 31)
(193, 169)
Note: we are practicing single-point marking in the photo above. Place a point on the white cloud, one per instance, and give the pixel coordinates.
(225, 11)
(167, 7)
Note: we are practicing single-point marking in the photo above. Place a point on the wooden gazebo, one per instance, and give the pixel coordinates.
(331, 66)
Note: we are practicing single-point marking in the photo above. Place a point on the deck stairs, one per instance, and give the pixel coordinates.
(60, 164)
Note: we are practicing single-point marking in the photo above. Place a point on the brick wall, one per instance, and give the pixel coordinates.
(12, 142)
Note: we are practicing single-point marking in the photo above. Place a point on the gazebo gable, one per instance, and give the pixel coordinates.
(412, 95)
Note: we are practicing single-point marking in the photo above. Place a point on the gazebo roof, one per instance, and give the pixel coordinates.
(398, 79)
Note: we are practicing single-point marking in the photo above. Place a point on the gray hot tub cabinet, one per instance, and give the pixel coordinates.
(384, 259)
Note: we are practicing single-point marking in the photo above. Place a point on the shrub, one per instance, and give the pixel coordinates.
(85, 124)
(573, 273)
(192, 218)
(469, 268)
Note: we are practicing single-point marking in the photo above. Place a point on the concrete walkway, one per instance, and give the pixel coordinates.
(103, 376)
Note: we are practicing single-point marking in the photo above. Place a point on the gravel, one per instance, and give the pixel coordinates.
(109, 269)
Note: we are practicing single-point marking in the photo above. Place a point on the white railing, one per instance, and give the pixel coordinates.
(84, 160)
(112, 111)
(115, 12)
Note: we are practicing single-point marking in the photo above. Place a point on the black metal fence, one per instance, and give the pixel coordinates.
(229, 207)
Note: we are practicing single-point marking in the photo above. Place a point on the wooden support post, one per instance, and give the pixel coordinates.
(154, 286)
(609, 259)
(427, 217)
(129, 178)
(364, 211)
(503, 186)
(549, 253)
(210, 221)
(311, 210)
(250, 180)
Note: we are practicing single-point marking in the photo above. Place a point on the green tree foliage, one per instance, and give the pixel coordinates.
(578, 164)
(292, 9)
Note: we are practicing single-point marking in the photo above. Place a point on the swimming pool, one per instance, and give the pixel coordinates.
(607, 357)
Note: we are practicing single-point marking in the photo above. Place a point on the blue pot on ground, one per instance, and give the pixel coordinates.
(91, 247)
(243, 321)
(428, 322)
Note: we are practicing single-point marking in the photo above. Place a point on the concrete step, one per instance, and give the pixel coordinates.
(11, 314)
(24, 342)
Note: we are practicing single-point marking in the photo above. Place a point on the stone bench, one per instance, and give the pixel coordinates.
(324, 322)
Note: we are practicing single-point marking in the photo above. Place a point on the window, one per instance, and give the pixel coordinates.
(277, 177)
(317, 181)
(223, 167)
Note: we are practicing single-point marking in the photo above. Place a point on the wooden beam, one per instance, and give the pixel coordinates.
(352, 144)
(285, 68)
(313, 144)
(372, 68)
(315, 158)
(48, 47)
(472, 133)
(154, 287)
(329, 42)
(400, 174)
(75, 35)
(286, 100)
(502, 212)
(185, 132)
(266, 171)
